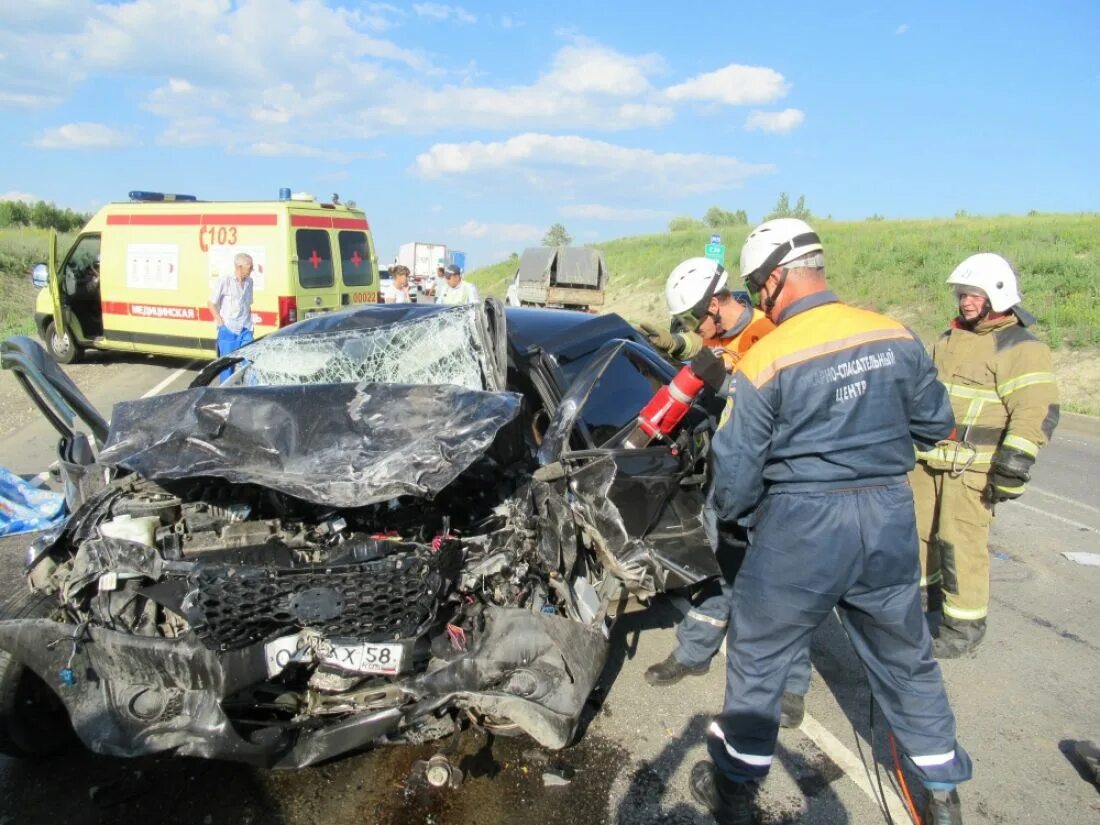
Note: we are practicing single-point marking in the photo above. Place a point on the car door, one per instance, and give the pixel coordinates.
(68, 411)
(646, 504)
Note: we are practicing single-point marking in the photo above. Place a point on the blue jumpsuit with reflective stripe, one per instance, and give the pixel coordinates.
(813, 459)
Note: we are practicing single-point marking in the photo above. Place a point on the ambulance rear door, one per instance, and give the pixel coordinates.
(357, 264)
(312, 273)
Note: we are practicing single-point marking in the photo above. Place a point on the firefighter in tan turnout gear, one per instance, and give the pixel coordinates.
(1005, 399)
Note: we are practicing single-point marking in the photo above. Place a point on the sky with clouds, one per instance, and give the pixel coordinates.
(479, 125)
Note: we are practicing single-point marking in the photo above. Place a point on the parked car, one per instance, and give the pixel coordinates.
(342, 544)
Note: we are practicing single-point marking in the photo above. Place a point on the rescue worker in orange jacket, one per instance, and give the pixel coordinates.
(706, 313)
(1005, 398)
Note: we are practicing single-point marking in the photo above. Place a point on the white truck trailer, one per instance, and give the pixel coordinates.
(422, 259)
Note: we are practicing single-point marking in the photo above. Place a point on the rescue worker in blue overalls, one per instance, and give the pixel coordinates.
(707, 314)
(813, 459)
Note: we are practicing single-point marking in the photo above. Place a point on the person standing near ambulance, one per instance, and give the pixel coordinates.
(1005, 397)
(707, 314)
(231, 304)
(813, 459)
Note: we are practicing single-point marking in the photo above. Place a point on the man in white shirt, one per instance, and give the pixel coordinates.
(398, 292)
(231, 305)
(457, 291)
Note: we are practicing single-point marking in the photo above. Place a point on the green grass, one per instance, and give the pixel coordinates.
(897, 267)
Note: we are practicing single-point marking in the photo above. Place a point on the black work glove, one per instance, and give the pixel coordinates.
(663, 340)
(1008, 473)
(710, 368)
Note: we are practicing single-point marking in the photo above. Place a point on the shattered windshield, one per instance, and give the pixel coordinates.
(446, 347)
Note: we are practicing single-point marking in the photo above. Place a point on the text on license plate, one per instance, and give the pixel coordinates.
(357, 657)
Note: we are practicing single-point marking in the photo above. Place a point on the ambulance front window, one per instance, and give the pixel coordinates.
(355, 259)
(314, 258)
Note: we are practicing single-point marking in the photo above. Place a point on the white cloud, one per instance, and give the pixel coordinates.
(498, 231)
(733, 85)
(535, 155)
(439, 11)
(82, 136)
(778, 122)
(902, 29)
(19, 196)
(600, 212)
(508, 22)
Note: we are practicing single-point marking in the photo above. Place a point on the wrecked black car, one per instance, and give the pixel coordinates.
(384, 524)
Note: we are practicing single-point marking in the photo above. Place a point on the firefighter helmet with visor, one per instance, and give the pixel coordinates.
(993, 275)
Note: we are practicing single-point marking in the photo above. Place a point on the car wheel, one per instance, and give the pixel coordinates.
(63, 349)
(33, 720)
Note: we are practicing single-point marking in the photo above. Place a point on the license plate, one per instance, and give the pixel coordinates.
(355, 657)
(313, 313)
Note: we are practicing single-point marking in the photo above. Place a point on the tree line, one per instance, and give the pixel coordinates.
(40, 214)
(717, 217)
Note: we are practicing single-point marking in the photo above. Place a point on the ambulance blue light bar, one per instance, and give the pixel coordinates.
(137, 195)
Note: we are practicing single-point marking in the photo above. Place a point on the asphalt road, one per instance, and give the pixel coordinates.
(1030, 692)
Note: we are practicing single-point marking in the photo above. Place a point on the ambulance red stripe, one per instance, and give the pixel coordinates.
(176, 313)
(215, 219)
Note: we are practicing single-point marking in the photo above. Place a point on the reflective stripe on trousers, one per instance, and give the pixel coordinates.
(855, 550)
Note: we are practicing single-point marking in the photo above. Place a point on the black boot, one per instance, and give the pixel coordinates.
(670, 671)
(958, 638)
(793, 710)
(729, 801)
(943, 808)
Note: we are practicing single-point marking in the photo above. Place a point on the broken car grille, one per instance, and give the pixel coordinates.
(396, 597)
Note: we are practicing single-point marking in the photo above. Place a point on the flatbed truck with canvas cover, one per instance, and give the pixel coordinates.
(568, 277)
(138, 277)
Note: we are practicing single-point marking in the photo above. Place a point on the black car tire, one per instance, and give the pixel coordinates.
(33, 721)
(62, 348)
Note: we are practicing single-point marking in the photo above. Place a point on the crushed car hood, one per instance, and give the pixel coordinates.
(343, 445)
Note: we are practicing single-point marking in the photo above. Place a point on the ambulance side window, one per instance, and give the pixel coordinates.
(314, 258)
(624, 388)
(355, 259)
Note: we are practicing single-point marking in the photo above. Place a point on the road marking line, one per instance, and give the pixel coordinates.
(1068, 521)
(1065, 499)
(169, 380)
(853, 766)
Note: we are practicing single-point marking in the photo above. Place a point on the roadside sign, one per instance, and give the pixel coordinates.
(716, 252)
(716, 238)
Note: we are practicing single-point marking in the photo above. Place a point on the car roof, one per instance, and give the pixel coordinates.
(554, 330)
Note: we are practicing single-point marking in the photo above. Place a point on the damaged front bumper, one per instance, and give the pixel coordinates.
(133, 695)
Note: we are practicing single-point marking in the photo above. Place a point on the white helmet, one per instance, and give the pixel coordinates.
(692, 284)
(993, 275)
(773, 244)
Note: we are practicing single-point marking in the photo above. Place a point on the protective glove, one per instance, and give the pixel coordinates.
(1003, 487)
(709, 368)
(663, 340)
(1008, 473)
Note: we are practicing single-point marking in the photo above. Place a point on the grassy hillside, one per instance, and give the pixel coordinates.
(898, 267)
(20, 249)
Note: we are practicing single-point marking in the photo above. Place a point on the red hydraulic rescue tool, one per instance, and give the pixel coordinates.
(663, 414)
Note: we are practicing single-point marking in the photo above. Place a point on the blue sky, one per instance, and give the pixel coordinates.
(479, 125)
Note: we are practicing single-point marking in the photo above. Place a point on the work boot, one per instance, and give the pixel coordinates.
(958, 638)
(670, 671)
(730, 802)
(793, 710)
(943, 808)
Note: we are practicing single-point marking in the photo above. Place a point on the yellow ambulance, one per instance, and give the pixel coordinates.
(139, 275)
